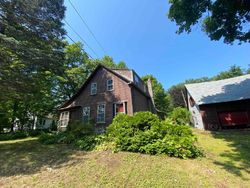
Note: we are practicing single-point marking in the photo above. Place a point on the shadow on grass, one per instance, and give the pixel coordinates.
(29, 157)
(237, 160)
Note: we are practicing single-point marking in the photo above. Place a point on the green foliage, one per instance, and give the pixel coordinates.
(146, 133)
(220, 18)
(161, 97)
(78, 128)
(89, 142)
(56, 138)
(180, 116)
(31, 56)
(20, 134)
(232, 72)
(13, 136)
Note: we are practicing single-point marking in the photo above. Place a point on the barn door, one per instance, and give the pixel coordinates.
(233, 118)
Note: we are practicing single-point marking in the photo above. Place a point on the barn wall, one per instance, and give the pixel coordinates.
(196, 117)
(210, 112)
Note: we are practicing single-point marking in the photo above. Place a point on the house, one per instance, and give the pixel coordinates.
(46, 122)
(220, 104)
(106, 93)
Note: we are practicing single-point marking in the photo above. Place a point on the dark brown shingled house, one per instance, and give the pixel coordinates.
(106, 93)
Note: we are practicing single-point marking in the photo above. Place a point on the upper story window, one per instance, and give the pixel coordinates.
(110, 85)
(86, 114)
(64, 119)
(137, 80)
(101, 113)
(93, 89)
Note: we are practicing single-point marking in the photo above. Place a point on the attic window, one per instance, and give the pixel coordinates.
(136, 79)
(110, 86)
(93, 89)
(191, 101)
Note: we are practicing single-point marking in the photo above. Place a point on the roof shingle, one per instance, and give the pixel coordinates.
(231, 89)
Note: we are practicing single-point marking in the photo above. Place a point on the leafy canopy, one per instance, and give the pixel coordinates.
(219, 18)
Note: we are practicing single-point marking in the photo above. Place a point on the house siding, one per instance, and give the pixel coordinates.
(121, 93)
(140, 101)
(195, 114)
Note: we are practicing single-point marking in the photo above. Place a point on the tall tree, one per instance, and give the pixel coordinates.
(31, 53)
(228, 19)
(161, 98)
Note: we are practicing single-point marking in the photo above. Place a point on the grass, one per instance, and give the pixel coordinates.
(27, 163)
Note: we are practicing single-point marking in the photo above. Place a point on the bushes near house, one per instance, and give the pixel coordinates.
(145, 133)
(180, 116)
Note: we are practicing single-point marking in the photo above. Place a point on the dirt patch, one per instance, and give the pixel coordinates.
(109, 159)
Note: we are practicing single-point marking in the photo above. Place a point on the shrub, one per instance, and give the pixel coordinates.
(57, 138)
(86, 143)
(48, 138)
(180, 116)
(13, 136)
(78, 128)
(145, 133)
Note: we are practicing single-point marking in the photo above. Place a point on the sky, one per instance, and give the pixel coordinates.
(140, 33)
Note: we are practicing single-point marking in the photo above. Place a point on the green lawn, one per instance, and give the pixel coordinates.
(27, 163)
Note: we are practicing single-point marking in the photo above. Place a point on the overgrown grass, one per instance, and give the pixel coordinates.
(27, 163)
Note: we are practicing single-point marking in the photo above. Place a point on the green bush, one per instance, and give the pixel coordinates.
(13, 136)
(146, 133)
(78, 128)
(57, 138)
(88, 142)
(180, 116)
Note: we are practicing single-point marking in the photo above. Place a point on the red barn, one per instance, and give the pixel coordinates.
(220, 104)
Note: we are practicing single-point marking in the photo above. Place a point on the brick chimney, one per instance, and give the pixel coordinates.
(151, 93)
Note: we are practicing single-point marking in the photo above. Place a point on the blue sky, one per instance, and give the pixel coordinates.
(139, 33)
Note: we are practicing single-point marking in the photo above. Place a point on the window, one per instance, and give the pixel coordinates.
(86, 114)
(110, 86)
(64, 119)
(93, 88)
(120, 108)
(101, 113)
(137, 79)
(191, 101)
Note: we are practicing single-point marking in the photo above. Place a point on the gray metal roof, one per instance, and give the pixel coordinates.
(231, 89)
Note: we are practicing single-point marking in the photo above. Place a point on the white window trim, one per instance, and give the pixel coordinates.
(110, 85)
(91, 88)
(88, 110)
(101, 103)
(63, 118)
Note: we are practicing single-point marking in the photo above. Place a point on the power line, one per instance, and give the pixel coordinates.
(76, 43)
(81, 38)
(85, 23)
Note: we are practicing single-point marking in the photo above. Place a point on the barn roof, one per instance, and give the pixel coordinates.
(231, 89)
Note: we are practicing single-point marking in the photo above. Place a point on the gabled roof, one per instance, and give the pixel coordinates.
(116, 72)
(232, 89)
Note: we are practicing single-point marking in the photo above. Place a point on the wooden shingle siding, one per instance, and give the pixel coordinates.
(123, 92)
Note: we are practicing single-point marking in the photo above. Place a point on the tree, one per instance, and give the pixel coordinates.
(31, 54)
(161, 98)
(220, 18)
(232, 72)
